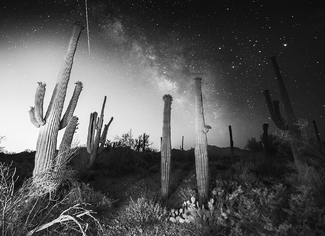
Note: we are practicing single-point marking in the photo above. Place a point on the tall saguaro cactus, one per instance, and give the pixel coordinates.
(290, 123)
(96, 139)
(50, 125)
(166, 146)
(201, 143)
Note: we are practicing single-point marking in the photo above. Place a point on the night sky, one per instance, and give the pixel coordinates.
(137, 51)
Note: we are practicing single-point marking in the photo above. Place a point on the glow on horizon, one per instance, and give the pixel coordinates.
(133, 86)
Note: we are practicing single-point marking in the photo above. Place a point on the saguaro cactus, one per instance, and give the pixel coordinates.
(96, 139)
(49, 125)
(232, 153)
(319, 141)
(201, 143)
(266, 141)
(166, 146)
(290, 123)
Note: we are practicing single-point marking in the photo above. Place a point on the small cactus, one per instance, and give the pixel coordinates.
(96, 139)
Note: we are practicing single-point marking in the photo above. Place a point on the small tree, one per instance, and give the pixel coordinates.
(277, 146)
(141, 143)
(126, 140)
(253, 145)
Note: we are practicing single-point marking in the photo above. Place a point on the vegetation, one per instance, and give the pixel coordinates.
(277, 145)
(244, 200)
(141, 143)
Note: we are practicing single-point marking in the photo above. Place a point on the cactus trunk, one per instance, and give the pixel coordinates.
(319, 141)
(182, 143)
(201, 152)
(266, 142)
(166, 147)
(50, 125)
(232, 153)
(290, 123)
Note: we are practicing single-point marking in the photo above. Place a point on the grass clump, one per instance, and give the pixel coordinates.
(24, 212)
(145, 211)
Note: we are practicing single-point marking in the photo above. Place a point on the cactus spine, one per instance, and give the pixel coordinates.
(166, 146)
(96, 139)
(51, 124)
(201, 153)
(290, 124)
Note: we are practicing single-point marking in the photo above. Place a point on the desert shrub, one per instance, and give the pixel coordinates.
(254, 210)
(121, 161)
(25, 212)
(244, 172)
(145, 211)
(306, 217)
(276, 170)
(81, 193)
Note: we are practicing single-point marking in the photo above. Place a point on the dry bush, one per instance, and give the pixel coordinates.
(54, 210)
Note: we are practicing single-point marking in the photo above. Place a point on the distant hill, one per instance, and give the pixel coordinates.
(224, 151)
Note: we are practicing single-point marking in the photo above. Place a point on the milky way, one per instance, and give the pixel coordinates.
(162, 46)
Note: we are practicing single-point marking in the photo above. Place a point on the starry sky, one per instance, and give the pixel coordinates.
(134, 52)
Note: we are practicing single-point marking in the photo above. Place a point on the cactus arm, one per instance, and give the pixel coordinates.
(201, 152)
(276, 105)
(99, 125)
(39, 98)
(91, 131)
(232, 153)
(49, 108)
(291, 118)
(47, 139)
(66, 142)
(275, 118)
(166, 147)
(103, 137)
(72, 105)
(32, 117)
